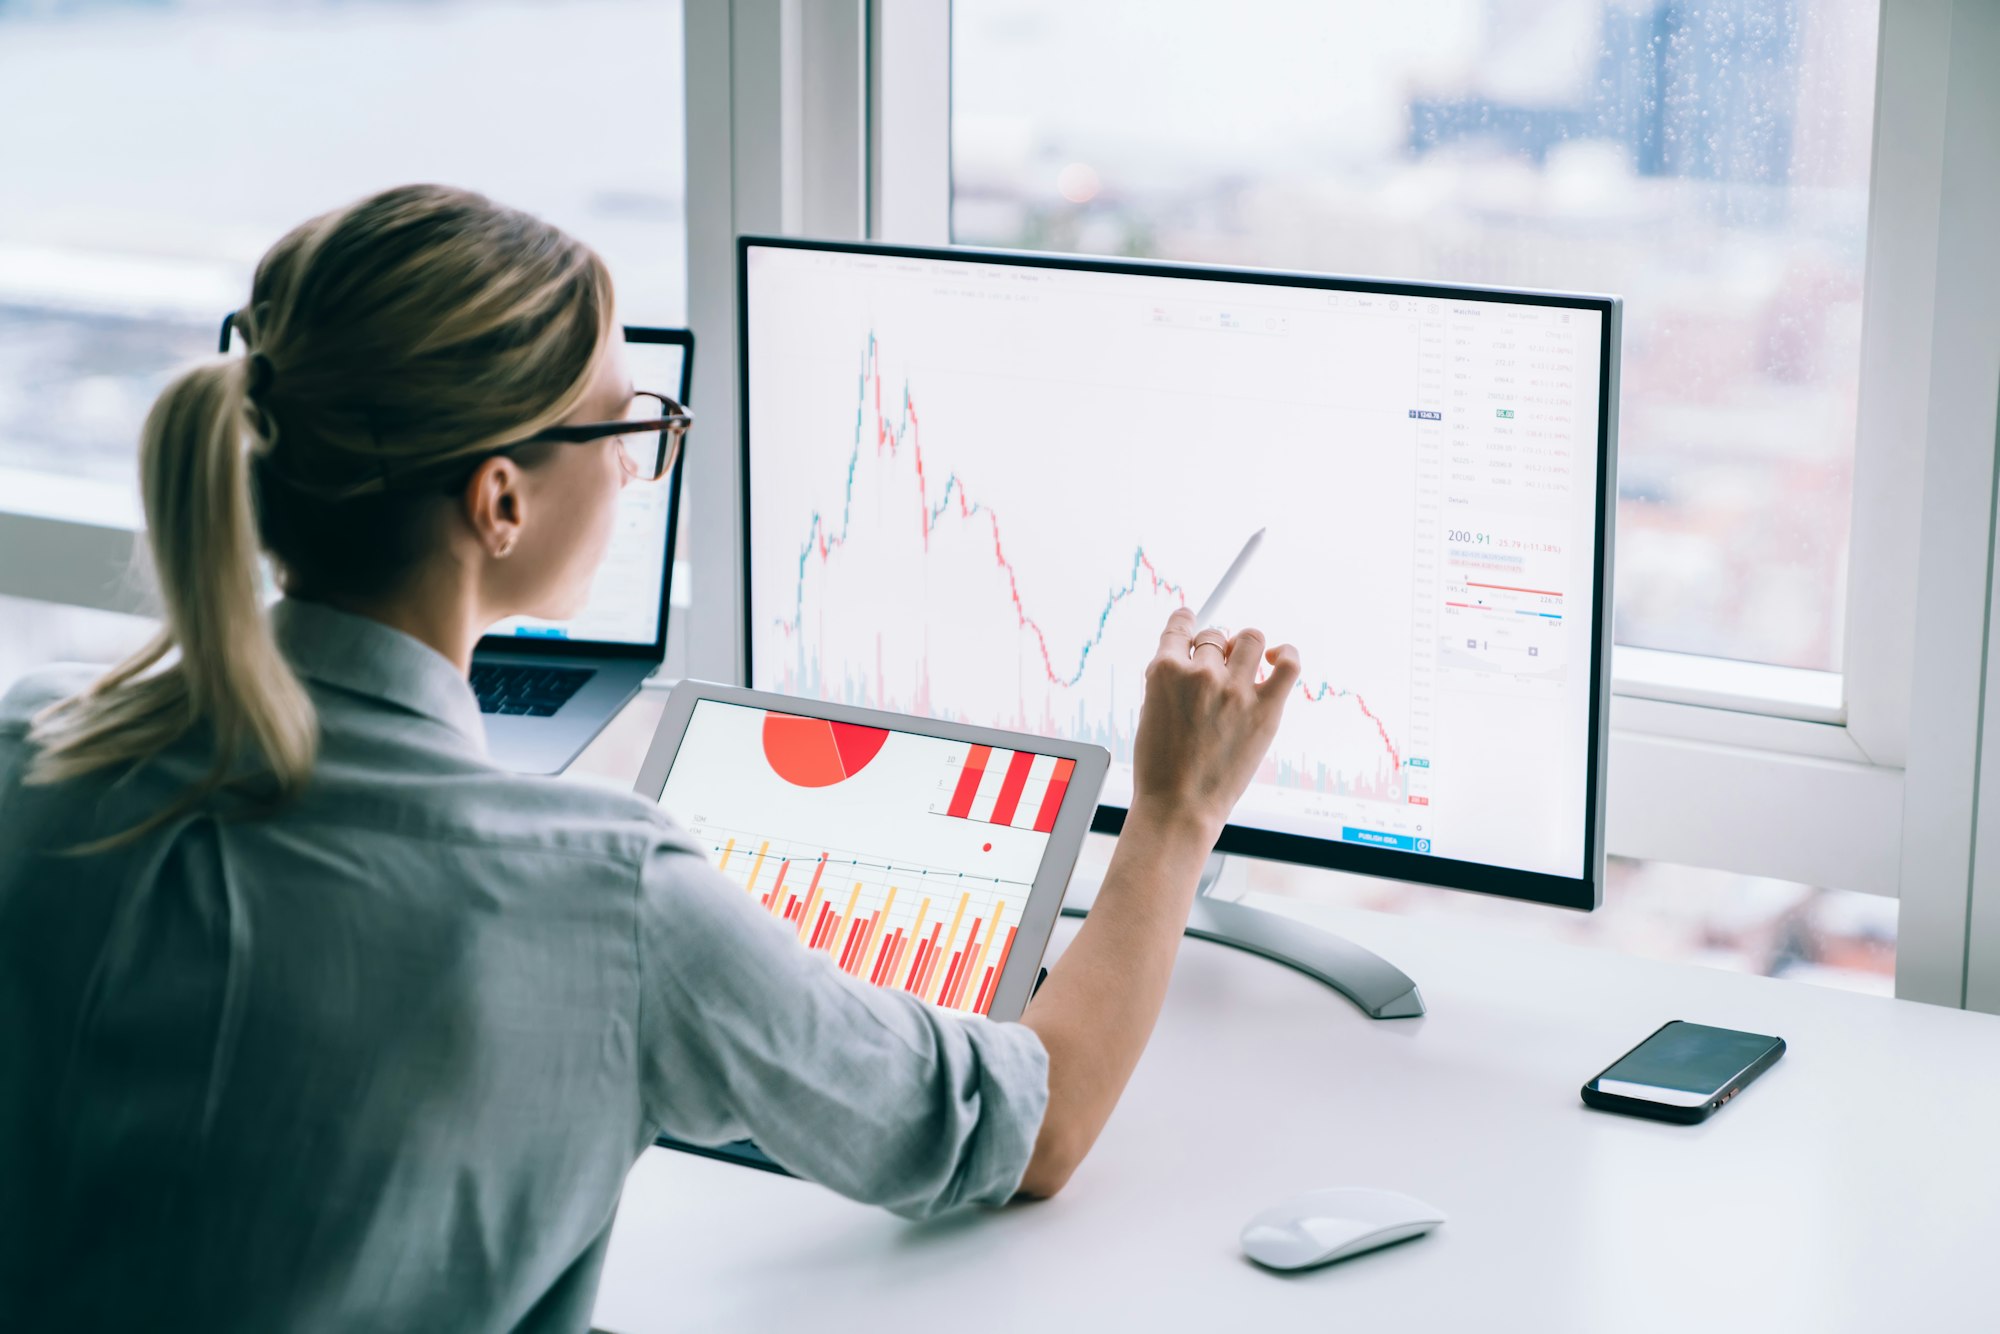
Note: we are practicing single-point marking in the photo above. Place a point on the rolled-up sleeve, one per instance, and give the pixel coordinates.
(745, 1035)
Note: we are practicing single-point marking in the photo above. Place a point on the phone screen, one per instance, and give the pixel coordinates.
(1684, 1065)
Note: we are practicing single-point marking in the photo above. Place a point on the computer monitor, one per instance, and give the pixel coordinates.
(978, 481)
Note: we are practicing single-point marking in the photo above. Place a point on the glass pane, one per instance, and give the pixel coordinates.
(39, 634)
(174, 142)
(1655, 910)
(1706, 160)
(1661, 910)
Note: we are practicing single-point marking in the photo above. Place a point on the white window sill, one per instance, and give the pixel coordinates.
(1724, 683)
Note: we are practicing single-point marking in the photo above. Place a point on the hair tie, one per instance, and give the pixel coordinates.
(261, 373)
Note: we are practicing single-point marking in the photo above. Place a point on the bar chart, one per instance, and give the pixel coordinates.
(942, 935)
(1009, 787)
(906, 860)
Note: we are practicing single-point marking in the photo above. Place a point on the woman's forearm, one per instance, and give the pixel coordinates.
(1206, 723)
(1096, 1009)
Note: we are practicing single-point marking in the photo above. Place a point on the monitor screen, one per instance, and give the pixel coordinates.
(978, 483)
(905, 858)
(625, 602)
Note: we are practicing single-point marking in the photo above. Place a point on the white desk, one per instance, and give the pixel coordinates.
(1854, 1187)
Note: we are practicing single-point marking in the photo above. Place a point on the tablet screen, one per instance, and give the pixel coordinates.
(905, 858)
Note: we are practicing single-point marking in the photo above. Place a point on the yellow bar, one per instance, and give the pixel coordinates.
(880, 931)
(757, 867)
(923, 909)
(846, 917)
(944, 950)
(805, 913)
(979, 965)
(895, 964)
(727, 848)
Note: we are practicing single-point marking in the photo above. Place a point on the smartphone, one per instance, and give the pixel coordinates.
(1683, 1073)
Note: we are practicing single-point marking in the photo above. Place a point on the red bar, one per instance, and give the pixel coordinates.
(985, 986)
(772, 897)
(1011, 785)
(930, 969)
(867, 935)
(817, 872)
(965, 973)
(1509, 588)
(944, 992)
(931, 953)
(861, 951)
(968, 782)
(1000, 964)
(819, 925)
(884, 955)
(1045, 818)
(924, 952)
(856, 933)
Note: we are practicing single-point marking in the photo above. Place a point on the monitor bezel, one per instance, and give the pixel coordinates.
(656, 650)
(1583, 892)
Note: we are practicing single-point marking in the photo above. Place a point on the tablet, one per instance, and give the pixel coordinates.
(924, 856)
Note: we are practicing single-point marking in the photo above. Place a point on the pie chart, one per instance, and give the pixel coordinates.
(817, 752)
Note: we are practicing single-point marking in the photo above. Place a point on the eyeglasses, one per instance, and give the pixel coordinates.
(648, 444)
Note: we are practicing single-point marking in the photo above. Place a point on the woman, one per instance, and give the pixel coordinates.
(310, 1018)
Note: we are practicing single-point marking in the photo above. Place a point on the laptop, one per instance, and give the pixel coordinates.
(546, 688)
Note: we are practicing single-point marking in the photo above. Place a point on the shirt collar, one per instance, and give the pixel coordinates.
(365, 657)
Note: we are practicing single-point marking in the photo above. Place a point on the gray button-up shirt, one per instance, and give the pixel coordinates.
(382, 1060)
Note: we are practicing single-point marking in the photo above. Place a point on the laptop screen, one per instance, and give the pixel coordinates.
(626, 599)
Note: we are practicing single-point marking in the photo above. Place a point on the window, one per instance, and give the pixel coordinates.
(40, 634)
(174, 142)
(1660, 910)
(1709, 161)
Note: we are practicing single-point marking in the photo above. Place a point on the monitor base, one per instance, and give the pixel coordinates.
(1377, 987)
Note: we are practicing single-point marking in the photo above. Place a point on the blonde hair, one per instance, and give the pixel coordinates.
(391, 345)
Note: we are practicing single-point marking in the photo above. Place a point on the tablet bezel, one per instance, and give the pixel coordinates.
(1038, 915)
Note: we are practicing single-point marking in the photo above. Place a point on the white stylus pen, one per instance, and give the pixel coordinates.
(1206, 616)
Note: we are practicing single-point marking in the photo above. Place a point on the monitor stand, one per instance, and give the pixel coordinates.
(1378, 987)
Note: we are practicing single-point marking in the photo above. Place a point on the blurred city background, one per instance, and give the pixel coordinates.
(1708, 161)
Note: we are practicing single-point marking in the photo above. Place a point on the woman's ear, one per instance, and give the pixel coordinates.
(495, 505)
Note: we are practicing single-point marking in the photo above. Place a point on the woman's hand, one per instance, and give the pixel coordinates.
(1207, 721)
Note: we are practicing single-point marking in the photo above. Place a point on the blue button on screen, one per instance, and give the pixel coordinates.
(1376, 838)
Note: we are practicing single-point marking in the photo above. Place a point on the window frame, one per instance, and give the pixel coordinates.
(833, 118)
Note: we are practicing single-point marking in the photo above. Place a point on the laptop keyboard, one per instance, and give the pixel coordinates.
(536, 691)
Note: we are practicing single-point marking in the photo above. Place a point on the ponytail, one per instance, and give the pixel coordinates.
(229, 675)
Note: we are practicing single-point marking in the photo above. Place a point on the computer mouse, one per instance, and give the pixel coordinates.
(1326, 1225)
